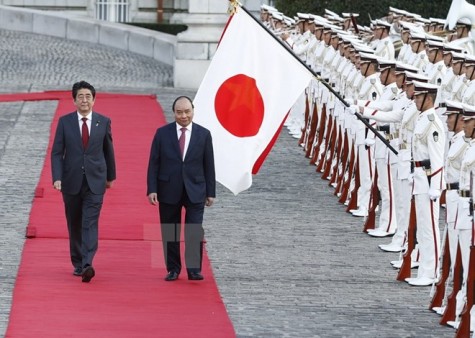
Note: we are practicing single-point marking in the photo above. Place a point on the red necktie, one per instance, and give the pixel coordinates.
(181, 141)
(85, 132)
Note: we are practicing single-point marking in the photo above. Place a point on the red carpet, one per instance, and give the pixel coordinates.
(128, 297)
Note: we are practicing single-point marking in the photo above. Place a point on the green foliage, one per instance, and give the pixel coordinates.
(161, 27)
(367, 8)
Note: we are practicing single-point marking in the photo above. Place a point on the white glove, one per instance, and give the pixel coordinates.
(434, 194)
(369, 141)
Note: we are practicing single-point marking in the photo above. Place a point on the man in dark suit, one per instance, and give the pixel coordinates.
(181, 174)
(83, 166)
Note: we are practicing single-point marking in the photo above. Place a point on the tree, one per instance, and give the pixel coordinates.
(367, 9)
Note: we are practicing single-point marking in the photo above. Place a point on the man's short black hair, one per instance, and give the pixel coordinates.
(83, 85)
(179, 98)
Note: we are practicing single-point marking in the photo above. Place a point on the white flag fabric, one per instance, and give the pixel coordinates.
(247, 91)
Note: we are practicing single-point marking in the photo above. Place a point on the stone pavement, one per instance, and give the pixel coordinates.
(288, 260)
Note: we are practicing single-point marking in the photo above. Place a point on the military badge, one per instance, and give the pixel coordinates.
(436, 136)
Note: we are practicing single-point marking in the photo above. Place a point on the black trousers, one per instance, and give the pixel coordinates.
(82, 216)
(170, 223)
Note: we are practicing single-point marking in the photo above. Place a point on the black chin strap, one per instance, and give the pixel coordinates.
(387, 76)
(418, 45)
(457, 120)
(423, 102)
(366, 71)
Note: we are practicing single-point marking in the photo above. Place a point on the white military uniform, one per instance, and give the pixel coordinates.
(371, 89)
(459, 87)
(404, 174)
(404, 53)
(296, 119)
(385, 49)
(387, 218)
(469, 94)
(420, 61)
(445, 91)
(437, 73)
(402, 119)
(453, 164)
(464, 223)
(428, 145)
(301, 46)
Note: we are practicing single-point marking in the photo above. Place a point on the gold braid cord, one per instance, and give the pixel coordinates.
(233, 5)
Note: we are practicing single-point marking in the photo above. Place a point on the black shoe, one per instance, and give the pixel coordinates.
(77, 272)
(172, 275)
(195, 276)
(87, 274)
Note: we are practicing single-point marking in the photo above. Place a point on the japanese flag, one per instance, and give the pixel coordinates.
(246, 93)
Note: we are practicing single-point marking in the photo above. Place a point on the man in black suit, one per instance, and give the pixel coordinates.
(83, 166)
(181, 174)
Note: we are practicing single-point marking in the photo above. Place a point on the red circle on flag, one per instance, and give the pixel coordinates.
(239, 106)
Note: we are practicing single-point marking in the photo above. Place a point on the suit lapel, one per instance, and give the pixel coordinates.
(95, 125)
(194, 137)
(74, 122)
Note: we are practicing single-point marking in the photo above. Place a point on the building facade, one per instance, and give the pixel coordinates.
(145, 11)
(191, 50)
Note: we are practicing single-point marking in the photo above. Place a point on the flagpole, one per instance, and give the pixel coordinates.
(326, 84)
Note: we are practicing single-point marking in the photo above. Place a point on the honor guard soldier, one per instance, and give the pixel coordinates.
(354, 77)
(453, 164)
(405, 51)
(428, 145)
(463, 38)
(445, 91)
(405, 168)
(303, 47)
(464, 222)
(302, 44)
(384, 47)
(402, 111)
(458, 84)
(371, 90)
(266, 10)
(434, 50)
(347, 66)
(277, 22)
(314, 91)
(387, 218)
(468, 96)
(418, 45)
